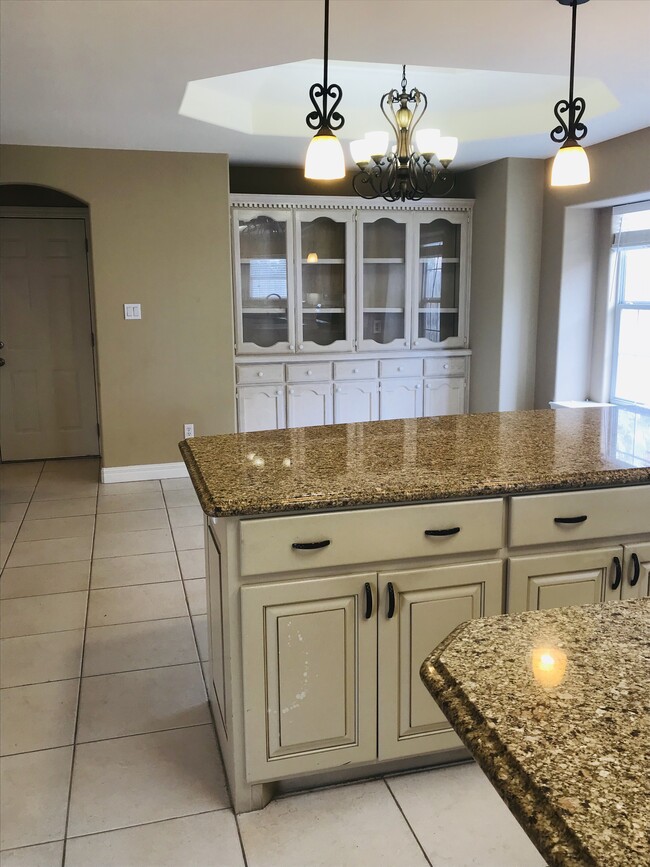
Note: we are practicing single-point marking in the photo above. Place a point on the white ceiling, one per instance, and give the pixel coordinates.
(113, 73)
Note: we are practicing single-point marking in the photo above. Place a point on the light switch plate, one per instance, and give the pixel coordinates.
(132, 311)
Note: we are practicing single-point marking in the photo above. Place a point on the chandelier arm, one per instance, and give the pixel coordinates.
(334, 120)
(417, 115)
(389, 98)
(315, 119)
(561, 131)
(579, 129)
(365, 179)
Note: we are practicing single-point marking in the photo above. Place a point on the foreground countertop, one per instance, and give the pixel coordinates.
(571, 760)
(414, 460)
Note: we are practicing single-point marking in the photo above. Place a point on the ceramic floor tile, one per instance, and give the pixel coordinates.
(186, 516)
(200, 625)
(40, 658)
(126, 522)
(196, 598)
(135, 702)
(130, 604)
(136, 569)
(61, 508)
(45, 855)
(192, 563)
(12, 511)
(145, 778)
(10, 494)
(8, 533)
(25, 471)
(349, 826)
(49, 613)
(50, 551)
(137, 542)
(182, 484)
(56, 489)
(56, 528)
(188, 538)
(45, 578)
(206, 840)
(78, 469)
(38, 717)
(34, 795)
(130, 502)
(132, 646)
(182, 497)
(118, 488)
(482, 834)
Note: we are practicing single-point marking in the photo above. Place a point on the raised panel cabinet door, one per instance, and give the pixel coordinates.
(309, 405)
(560, 580)
(636, 572)
(444, 396)
(417, 610)
(260, 408)
(400, 398)
(310, 675)
(356, 401)
(216, 630)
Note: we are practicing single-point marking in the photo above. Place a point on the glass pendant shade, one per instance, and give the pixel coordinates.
(360, 150)
(570, 166)
(427, 141)
(377, 142)
(447, 148)
(325, 160)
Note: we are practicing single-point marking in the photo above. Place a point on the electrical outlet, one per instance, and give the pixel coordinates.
(188, 430)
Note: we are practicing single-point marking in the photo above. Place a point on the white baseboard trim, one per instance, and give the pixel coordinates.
(144, 472)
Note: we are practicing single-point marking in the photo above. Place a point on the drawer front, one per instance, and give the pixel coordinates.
(601, 514)
(309, 372)
(400, 367)
(355, 370)
(370, 535)
(260, 373)
(444, 366)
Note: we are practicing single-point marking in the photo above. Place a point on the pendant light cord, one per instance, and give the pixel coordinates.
(326, 39)
(574, 15)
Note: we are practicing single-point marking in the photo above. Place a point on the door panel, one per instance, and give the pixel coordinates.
(309, 405)
(633, 568)
(356, 401)
(260, 408)
(444, 397)
(400, 398)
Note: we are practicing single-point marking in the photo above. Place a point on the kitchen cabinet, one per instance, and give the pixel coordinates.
(356, 402)
(443, 396)
(636, 571)
(261, 408)
(400, 398)
(309, 405)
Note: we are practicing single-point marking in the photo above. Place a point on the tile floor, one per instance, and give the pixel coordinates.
(108, 751)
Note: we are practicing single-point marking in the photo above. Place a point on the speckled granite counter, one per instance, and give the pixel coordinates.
(572, 760)
(415, 460)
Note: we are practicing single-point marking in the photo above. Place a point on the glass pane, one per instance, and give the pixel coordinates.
(263, 258)
(439, 280)
(632, 437)
(323, 281)
(383, 327)
(384, 281)
(633, 362)
(636, 275)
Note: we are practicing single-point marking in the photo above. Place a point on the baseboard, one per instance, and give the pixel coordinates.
(144, 472)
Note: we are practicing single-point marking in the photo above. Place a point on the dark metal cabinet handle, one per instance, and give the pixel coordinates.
(391, 600)
(636, 570)
(577, 519)
(451, 531)
(616, 583)
(368, 591)
(310, 546)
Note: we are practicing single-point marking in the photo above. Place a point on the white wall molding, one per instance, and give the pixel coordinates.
(144, 472)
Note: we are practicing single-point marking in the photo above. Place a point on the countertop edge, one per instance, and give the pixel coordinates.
(207, 504)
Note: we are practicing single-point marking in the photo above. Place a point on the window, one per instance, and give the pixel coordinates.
(630, 384)
(268, 277)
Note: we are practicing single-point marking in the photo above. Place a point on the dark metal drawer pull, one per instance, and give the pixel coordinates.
(578, 519)
(616, 583)
(310, 546)
(391, 600)
(368, 590)
(449, 532)
(637, 571)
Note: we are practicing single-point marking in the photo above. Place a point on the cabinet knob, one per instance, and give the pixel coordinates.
(260, 373)
(416, 343)
(291, 347)
(309, 373)
(290, 391)
(300, 346)
(355, 370)
(417, 384)
(445, 367)
(338, 387)
(399, 369)
(279, 392)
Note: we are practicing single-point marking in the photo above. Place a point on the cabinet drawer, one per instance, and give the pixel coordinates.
(355, 370)
(370, 535)
(602, 514)
(400, 367)
(309, 372)
(260, 373)
(444, 366)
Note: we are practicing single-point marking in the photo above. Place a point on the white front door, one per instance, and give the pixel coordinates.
(47, 386)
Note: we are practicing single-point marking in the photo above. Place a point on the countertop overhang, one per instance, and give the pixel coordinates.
(415, 460)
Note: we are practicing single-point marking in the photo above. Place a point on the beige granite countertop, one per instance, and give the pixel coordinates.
(415, 460)
(555, 707)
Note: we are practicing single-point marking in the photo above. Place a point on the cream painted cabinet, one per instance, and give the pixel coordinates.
(443, 396)
(418, 609)
(400, 398)
(260, 408)
(356, 401)
(309, 405)
(636, 571)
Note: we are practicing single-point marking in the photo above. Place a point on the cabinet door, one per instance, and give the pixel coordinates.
(264, 281)
(400, 398)
(560, 580)
(216, 632)
(356, 401)
(260, 408)
(637, 569)
(440, 294)
(429, 604)
(324, 281)
(309, 405)
(444, 396)
(383, 278)
(310, 676)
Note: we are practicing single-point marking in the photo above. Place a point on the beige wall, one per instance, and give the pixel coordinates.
(160, 237)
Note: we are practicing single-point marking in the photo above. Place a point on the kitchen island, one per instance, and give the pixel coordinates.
(338, 557)
(554, 706)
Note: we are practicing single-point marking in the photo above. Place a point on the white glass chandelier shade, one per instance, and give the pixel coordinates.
(360, 150)
(325, 160)
(447, 148)
(427, 141)
(377, 143)
(570, 166)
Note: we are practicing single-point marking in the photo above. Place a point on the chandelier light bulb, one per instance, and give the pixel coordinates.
(325, 160)
(570, 166)
(360, 151)
(427, 142)
(377, 143)
(447, 148)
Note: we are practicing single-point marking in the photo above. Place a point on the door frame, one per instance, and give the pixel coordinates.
(71, 214)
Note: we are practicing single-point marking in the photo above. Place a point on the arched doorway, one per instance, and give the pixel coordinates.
(48, 395)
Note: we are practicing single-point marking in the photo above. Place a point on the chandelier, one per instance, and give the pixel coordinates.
(405, 169)
(571, 165)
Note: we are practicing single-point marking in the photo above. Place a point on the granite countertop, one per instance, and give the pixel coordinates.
(417, 460)
(555, 707)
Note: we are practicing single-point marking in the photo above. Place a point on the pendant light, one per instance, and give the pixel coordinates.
(571, 165)
(325, 160)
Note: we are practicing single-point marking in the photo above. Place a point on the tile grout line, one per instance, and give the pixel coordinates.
(22, 521)
(410, 827)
